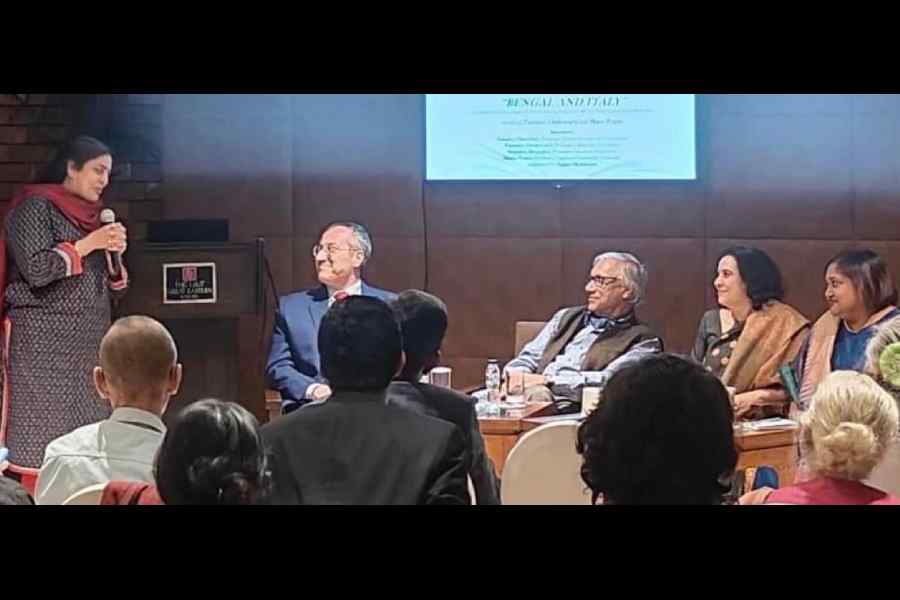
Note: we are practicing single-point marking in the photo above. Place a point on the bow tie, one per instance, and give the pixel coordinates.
(342, 295)
(598, 322)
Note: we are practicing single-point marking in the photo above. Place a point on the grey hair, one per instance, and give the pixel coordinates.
(635, 272)
(886, 333)
(362, 236)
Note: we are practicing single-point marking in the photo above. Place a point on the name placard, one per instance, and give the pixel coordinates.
(189, 283)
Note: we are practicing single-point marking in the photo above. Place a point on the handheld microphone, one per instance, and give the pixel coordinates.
(113, 259)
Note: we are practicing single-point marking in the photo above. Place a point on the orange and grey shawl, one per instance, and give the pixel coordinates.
(772, 336)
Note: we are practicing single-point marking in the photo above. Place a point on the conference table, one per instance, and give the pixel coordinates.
(776, 448)
(773, 447)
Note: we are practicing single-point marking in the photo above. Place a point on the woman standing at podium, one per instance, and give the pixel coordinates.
(57, 281)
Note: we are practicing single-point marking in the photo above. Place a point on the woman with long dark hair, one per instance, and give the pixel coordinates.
(56, 282)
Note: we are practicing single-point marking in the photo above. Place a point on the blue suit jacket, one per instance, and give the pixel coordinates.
(294, 358)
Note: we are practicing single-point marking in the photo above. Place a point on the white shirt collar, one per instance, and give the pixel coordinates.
(137, 415)
(354, 289)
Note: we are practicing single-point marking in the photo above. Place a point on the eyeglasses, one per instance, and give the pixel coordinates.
(602, 282)
(331, 249)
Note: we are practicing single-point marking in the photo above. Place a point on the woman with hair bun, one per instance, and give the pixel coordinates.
(212, 455)
(845, 433)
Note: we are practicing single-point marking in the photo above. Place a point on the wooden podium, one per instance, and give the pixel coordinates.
(219, 343)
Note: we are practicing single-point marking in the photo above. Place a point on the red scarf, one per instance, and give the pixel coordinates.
(83, 214)
(130, 493)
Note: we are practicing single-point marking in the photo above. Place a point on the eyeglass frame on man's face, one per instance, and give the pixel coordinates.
(601, 282)
(330, 249)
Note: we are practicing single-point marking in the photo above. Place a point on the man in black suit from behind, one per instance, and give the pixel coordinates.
(423, 322)
(355, 448)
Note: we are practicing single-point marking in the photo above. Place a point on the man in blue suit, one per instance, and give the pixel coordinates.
(293, 365)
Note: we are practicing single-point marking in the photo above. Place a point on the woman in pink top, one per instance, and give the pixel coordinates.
(844, 435)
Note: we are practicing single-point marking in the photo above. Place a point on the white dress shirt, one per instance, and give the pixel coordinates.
(121, 448)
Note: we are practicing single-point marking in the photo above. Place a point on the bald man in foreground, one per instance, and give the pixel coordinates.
(137, 375)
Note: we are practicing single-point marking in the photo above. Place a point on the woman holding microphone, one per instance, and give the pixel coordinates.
(57, 280)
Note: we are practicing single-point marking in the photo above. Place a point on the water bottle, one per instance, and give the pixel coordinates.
(492, 385)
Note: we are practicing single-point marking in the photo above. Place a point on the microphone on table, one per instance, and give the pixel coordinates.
(113, 259)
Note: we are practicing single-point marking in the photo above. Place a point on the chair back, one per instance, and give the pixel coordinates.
(525, 332)
(89, 496)
(544, 468)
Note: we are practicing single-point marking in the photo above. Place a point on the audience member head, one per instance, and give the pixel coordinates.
(883, 356)
(360, 346)
(138, 365)
(849, 426)
(858, 284)
(662, 435)
(746, 276)
(423, 324)
(13, 494)
(212, 454)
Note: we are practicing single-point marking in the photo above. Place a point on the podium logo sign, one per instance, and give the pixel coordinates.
(189, 283)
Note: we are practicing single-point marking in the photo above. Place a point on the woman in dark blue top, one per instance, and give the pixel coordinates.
(860, 293)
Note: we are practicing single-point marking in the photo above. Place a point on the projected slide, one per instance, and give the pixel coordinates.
(559, 136)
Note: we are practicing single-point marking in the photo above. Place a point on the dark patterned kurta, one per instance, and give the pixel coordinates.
(59, 308)
(713, 347)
